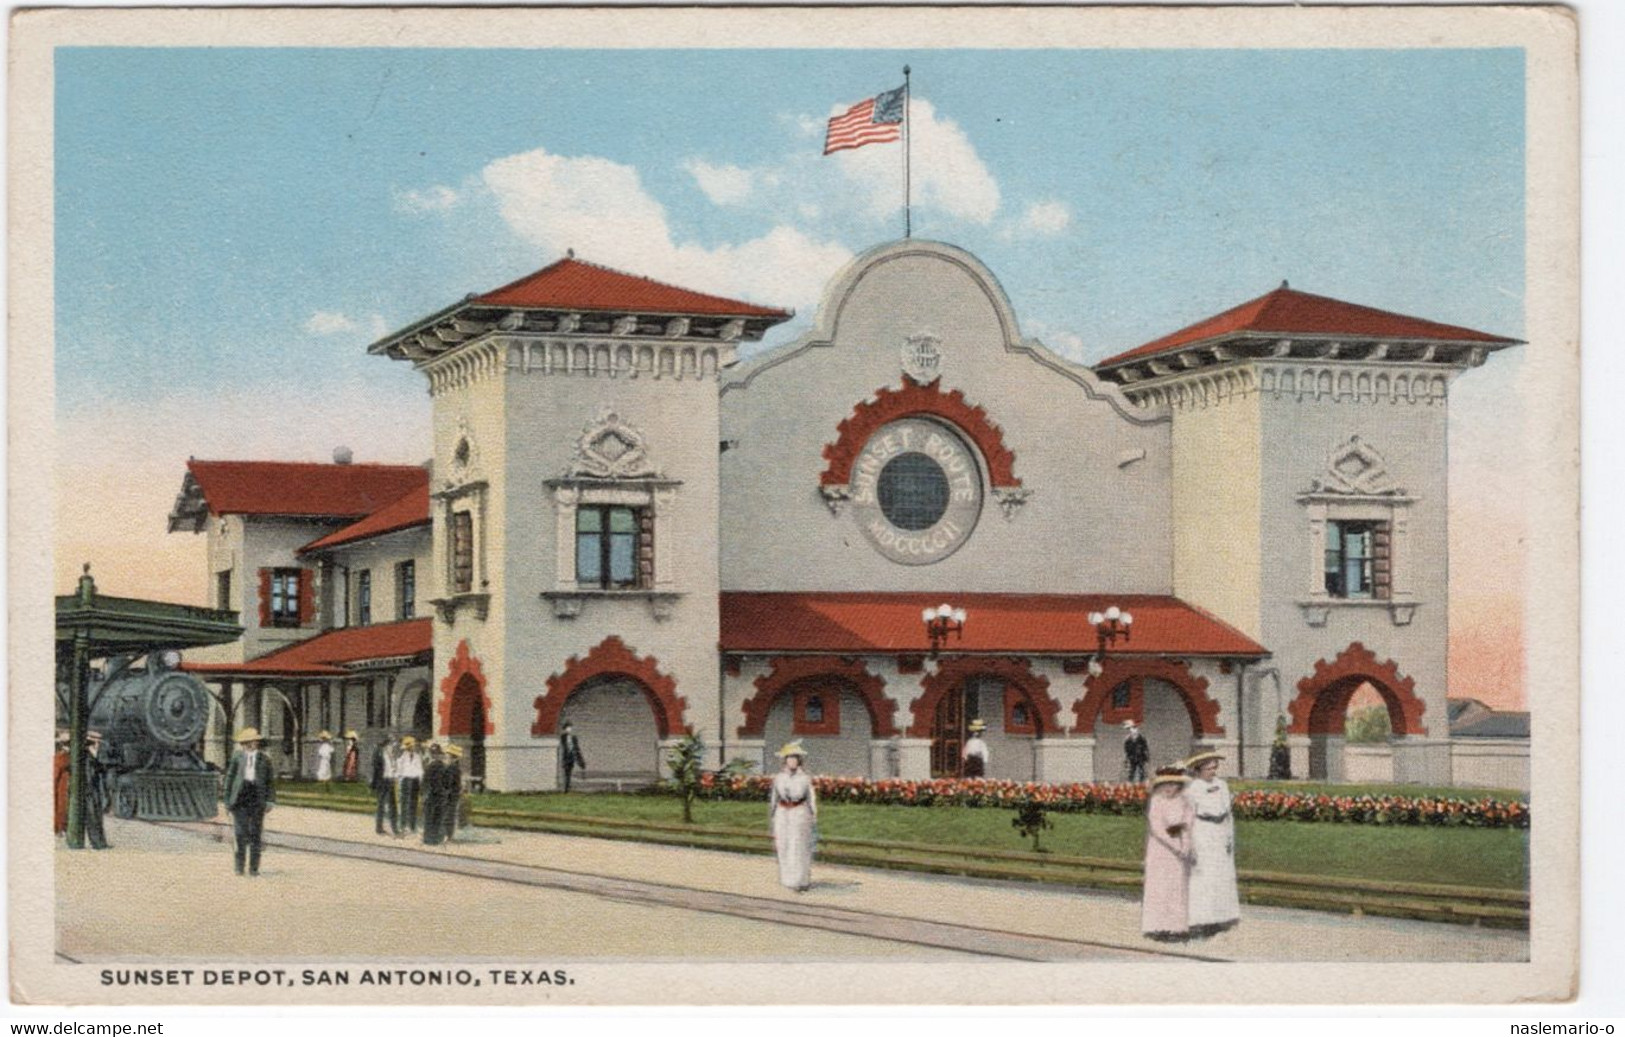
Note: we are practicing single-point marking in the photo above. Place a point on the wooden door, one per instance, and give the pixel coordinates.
(948, 735)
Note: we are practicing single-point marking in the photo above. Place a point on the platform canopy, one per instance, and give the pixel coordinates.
(120, 626)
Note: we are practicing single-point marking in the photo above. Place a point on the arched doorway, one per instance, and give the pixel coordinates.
(829, 718)
(619, 733)
(620, 705)
(1321, 711)
(465, 718)
(836, 707)
(422, 726)
(1168, 702)
(1159, 709)
(1005, 694)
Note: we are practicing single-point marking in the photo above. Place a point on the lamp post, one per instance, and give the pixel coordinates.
(1110, 625)
(940, 622)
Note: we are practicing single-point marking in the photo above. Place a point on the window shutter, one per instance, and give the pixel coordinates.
(646, 547)
(265, 597)
(307, 596)
(1382, 555)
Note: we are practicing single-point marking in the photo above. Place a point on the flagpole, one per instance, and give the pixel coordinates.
(908, 144)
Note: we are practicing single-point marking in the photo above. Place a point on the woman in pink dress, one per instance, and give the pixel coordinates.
(1169, 816)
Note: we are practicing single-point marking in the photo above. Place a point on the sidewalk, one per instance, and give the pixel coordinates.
(1266, 933)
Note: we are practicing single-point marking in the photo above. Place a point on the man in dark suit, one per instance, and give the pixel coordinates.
(570, 754)
(1136, 751)
(250, 792)
(451, 779)
(98, 792)
(383, 785)
(434, 797)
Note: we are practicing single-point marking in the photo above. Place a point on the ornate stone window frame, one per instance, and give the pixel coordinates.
(655, 495)
(1356, 487)
(470, 497)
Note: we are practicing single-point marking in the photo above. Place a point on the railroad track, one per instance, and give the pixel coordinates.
(1500, 908)
(978, 940)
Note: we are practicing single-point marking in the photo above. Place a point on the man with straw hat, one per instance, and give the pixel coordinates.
(409, 767)
(1169, 818)
(250, 792)
(793, 815)
(1136, 751)
(434, 797)
(1215, 904)
(975, 756)
(383, 786)
(452, 780)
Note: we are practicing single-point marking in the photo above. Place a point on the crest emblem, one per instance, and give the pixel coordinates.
(922, 358)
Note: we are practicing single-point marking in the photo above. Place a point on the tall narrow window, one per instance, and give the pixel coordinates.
(222, 589)
(363, 597)
(608, 553)
(462, 551)
(1357, 559)
(285, 597)
(406, 583)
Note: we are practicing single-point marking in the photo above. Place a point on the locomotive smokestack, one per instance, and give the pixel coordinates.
(342, 455)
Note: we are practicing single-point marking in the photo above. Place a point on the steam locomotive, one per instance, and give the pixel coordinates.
(152, 717)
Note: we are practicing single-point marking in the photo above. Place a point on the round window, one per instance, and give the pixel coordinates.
(913, 491)
(916, 491)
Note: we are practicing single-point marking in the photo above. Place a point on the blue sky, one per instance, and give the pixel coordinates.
(233, 218)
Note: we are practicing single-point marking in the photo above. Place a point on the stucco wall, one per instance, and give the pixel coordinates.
(1097, 519)
(1501, 763)
(381, 556)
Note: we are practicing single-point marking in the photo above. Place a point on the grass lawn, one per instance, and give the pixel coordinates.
(1496, 858)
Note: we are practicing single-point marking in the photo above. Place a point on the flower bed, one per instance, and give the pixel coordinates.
(1125, 798)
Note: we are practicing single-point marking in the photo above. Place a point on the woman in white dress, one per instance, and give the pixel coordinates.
(324, 756)
(793, 813)
(1214, 903)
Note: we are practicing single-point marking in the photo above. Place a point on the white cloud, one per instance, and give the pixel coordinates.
(435, 199)
(600, 208)
(331, 322)
(945, 169)
(1046, 217)
(1061, 340)
(724, 185)
(326, 322)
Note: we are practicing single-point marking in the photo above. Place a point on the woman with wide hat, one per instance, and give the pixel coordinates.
(1215, 904)
(793, 813)
(974, 757)
(352, 756)
(1169, 816)
(324, 756)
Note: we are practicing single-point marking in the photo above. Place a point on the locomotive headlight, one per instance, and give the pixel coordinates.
(169, 659)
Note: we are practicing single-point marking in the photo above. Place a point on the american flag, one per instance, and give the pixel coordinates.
(878, 120)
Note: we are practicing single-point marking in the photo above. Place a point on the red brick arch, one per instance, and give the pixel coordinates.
(915, 400)
(789, 670)
(464, 679)
(954, 671)
(1322, 703)
(612, 658)
(1202, 707)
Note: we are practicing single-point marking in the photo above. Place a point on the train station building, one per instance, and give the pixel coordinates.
(627, 528)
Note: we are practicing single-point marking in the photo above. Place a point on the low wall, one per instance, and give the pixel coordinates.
(1368, 763)
(1499, 763)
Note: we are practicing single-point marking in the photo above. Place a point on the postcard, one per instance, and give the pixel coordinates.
(1017, 505)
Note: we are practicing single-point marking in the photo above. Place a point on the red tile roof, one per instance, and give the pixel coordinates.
(294, 488)
(1004, 623)
(571, 284)
(410, 511)
(1287, 311)
(326, 655)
